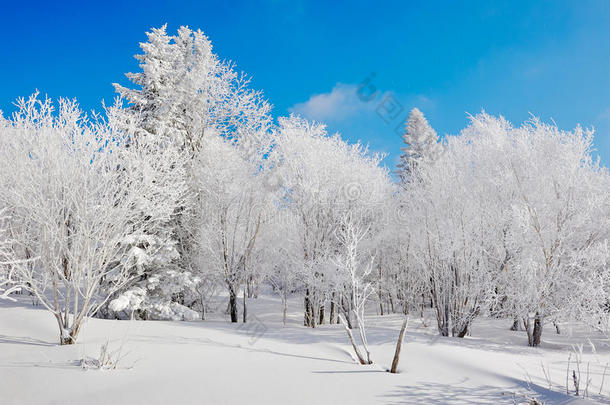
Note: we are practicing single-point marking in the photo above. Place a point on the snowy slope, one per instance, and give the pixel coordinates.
(263, 362)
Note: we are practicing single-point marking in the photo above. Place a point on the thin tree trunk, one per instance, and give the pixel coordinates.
(75, 330)
(537, 330)
(249, 283)
(309, 315)
(347, 311)
(332, 310)
(351, 339)
(284, 305)
(68, 336)
(321, 313)
(443, 320)
(399, 345)
(359, 319)
(232, 304)
(63, 339)
(379, 292)
(245, 314)
(529, 330)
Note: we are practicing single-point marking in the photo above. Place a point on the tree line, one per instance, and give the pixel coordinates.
(187, 186)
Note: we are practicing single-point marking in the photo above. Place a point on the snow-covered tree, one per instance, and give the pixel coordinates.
(184, 94)
(355, 267)
(421, 144)
(511, 220)
(452, 235)
(281, 252)
(322, 177)
(399, 281)
(557, 221)
(8, 261)
(157, 282)
(70, 208)
(235, 204)
(185, 91)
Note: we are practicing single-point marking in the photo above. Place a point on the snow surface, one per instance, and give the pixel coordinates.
(264, 362)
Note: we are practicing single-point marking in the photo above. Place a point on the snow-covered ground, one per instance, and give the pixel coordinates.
(264, 362)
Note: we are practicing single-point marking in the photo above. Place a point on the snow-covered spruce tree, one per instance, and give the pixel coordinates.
(184, 93)
(421, 144)
(70, 208)
(156, 278)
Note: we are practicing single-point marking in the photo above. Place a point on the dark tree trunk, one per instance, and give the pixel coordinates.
(332, 310)
(66, 341)
(321, 314)
(232, 304)
(534, 331)
(463, 332)
(249, 286)
(379, 291)
(537, 330)
(347, 311)
(309, 316)
(515, 325)
(401, 335)
(444, 321)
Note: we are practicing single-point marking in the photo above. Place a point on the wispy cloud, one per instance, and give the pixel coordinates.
(344, 101)
(338, 104)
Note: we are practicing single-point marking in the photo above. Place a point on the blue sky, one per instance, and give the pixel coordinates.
(548, 58)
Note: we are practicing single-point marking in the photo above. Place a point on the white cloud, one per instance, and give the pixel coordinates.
(340, 103)
(344, 101)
